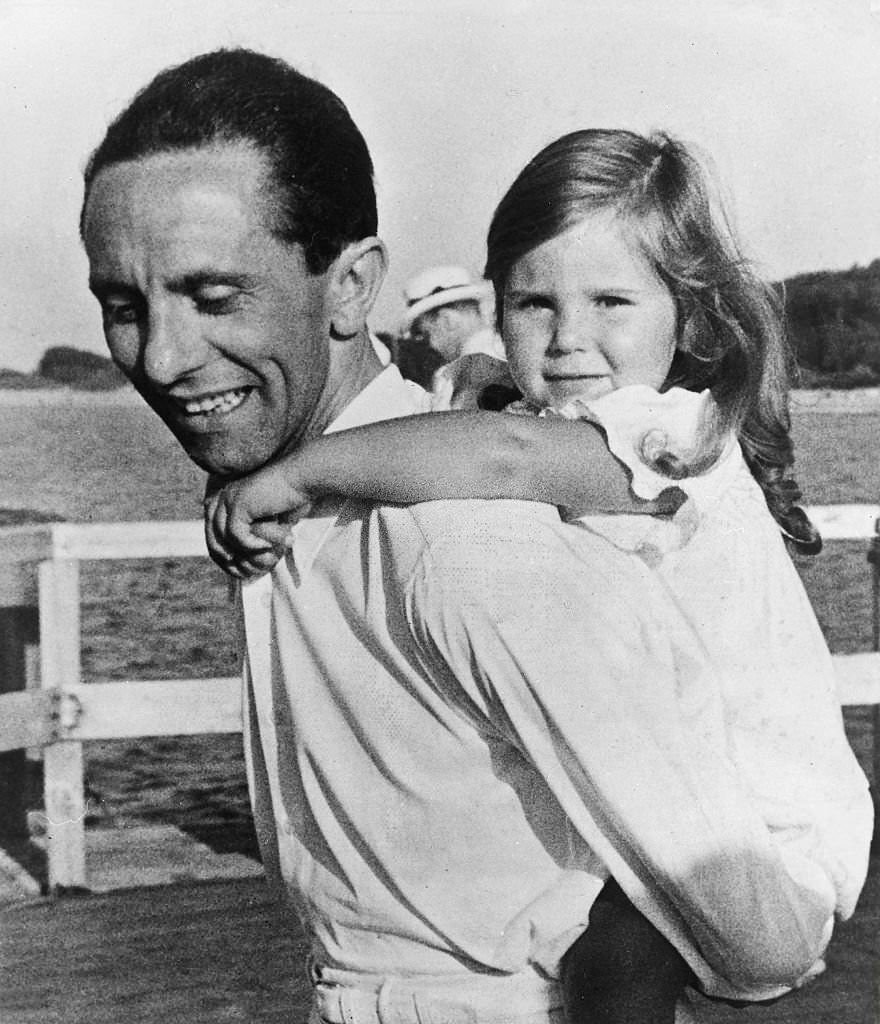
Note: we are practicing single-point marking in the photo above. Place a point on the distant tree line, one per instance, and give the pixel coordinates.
(66, 366)
(834, 325)
(833, 322)
(78, 369)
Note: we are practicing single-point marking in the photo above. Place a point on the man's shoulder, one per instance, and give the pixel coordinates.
(451, 532)
(475, 562)
(471, 520)
(494, 539)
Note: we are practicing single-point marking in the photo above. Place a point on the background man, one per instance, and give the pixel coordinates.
(436, 704)
(445, 309)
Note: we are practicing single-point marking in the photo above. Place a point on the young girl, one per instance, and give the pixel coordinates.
(638, 338)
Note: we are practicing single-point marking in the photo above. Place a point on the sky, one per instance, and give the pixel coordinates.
(782, 96)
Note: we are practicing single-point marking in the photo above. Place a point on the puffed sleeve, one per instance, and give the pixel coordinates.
(663, 439)
(573, 651)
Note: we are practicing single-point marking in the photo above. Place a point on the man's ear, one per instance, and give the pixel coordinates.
(356, 277)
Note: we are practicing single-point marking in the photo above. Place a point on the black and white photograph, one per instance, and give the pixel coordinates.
(440, 512)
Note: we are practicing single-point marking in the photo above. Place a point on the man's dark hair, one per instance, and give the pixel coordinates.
(318, 160)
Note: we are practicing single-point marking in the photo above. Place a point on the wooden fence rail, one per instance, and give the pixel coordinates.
(44, 704)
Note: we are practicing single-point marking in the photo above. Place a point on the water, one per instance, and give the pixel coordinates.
(91, 459)
(97, 460)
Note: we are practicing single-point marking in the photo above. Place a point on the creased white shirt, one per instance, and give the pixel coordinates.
(458, 712)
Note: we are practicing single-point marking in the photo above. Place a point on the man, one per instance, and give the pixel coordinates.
(444, 307)
(447, 746)
(444, 310)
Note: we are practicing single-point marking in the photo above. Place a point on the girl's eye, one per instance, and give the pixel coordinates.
(534, 302)
(611, 301)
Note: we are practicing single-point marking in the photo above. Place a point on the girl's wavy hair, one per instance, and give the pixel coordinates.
(730, 334)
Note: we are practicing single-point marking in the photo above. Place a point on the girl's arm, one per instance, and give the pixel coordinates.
(420, 458)
(468, 455)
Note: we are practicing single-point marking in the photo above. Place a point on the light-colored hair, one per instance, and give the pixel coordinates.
(730, 335)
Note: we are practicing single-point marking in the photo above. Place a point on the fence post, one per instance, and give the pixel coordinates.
(18, 630)
(63, 760)
(874, 559)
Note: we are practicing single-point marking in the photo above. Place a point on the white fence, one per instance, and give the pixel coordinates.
(44, 703)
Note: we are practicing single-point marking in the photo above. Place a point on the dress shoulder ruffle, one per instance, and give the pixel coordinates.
(668, 439)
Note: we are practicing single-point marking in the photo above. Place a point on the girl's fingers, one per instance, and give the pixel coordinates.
(249, 543)
(242, 548)
(227, 550)
(264, 562)
(256, 565)
(216, 548)
(237, 532)
(272, 532)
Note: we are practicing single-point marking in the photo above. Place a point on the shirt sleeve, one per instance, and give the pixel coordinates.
(573, 651)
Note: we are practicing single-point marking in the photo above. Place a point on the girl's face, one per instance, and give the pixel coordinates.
(585, 313)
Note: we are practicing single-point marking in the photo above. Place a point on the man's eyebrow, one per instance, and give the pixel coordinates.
(515, 293)
(101, 287)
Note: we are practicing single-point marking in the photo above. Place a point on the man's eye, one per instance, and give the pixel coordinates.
(216, 301)
(119, 313)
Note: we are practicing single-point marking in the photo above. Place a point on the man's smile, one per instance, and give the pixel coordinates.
(204, 411)
(216, 402)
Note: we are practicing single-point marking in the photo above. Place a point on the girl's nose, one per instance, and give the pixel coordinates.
(573, 333)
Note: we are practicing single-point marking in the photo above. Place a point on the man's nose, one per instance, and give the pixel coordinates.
(172, 348)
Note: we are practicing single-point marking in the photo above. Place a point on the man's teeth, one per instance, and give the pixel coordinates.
(226, 401)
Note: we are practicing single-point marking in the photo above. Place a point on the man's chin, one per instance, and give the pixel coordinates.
(222, 458)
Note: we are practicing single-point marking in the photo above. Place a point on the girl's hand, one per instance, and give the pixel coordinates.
(248, 521)
(232, 538)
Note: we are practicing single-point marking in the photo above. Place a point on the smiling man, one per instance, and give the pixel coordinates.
(209, 313)
(236, 316)
(438, 699)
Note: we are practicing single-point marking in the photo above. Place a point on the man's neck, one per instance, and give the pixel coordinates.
(353, 365)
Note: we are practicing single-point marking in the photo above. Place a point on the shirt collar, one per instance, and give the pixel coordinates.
(386, 397)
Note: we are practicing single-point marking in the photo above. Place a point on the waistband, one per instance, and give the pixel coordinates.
(349, 997)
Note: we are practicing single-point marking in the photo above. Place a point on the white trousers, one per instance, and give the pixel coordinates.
(345, 997)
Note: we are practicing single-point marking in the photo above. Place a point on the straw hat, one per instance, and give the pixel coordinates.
(440, 286)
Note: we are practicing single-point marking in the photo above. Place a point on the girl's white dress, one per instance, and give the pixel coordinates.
(724, 562)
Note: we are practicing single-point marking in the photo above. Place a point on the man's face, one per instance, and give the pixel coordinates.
(442, 330)
(216, 322)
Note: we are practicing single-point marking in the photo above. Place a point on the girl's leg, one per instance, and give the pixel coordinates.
(622, 970)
